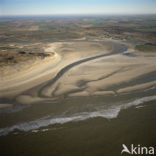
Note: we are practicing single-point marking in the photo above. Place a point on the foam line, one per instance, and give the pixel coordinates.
(109, 113)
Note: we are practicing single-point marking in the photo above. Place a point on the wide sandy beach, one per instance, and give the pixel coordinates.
(79, 68)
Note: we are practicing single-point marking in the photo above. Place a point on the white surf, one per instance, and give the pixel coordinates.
(109, 113)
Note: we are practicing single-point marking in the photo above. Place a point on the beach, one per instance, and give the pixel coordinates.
(94, 68)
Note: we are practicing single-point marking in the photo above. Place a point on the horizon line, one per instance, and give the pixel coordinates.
(82, 14)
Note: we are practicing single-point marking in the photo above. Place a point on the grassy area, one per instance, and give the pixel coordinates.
(146, 29)
(146, 47)
(14, 54)
(124, 27)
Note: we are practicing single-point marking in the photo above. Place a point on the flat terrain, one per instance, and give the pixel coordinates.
(134, 29)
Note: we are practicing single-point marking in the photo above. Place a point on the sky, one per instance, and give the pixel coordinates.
(61, 7)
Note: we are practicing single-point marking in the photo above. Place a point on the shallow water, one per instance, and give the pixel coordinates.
(69, 110)
(86, 134)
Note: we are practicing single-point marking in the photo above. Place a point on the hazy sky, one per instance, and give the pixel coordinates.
(41, 7)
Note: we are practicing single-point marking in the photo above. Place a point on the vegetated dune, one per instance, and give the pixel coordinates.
(27, 75)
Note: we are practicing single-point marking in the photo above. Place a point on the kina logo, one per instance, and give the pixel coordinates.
(138, 150)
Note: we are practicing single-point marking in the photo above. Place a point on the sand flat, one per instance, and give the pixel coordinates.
(69, 72)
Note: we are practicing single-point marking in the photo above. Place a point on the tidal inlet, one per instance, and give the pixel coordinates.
(77, 85)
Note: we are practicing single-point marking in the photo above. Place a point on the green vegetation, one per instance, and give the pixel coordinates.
(6, 48)
(147, 29)
(10, 55)
(136, 29)
(145, 47)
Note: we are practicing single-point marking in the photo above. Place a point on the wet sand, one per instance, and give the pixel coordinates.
(79, 69)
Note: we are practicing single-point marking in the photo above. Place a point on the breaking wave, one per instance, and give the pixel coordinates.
(109, 113)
